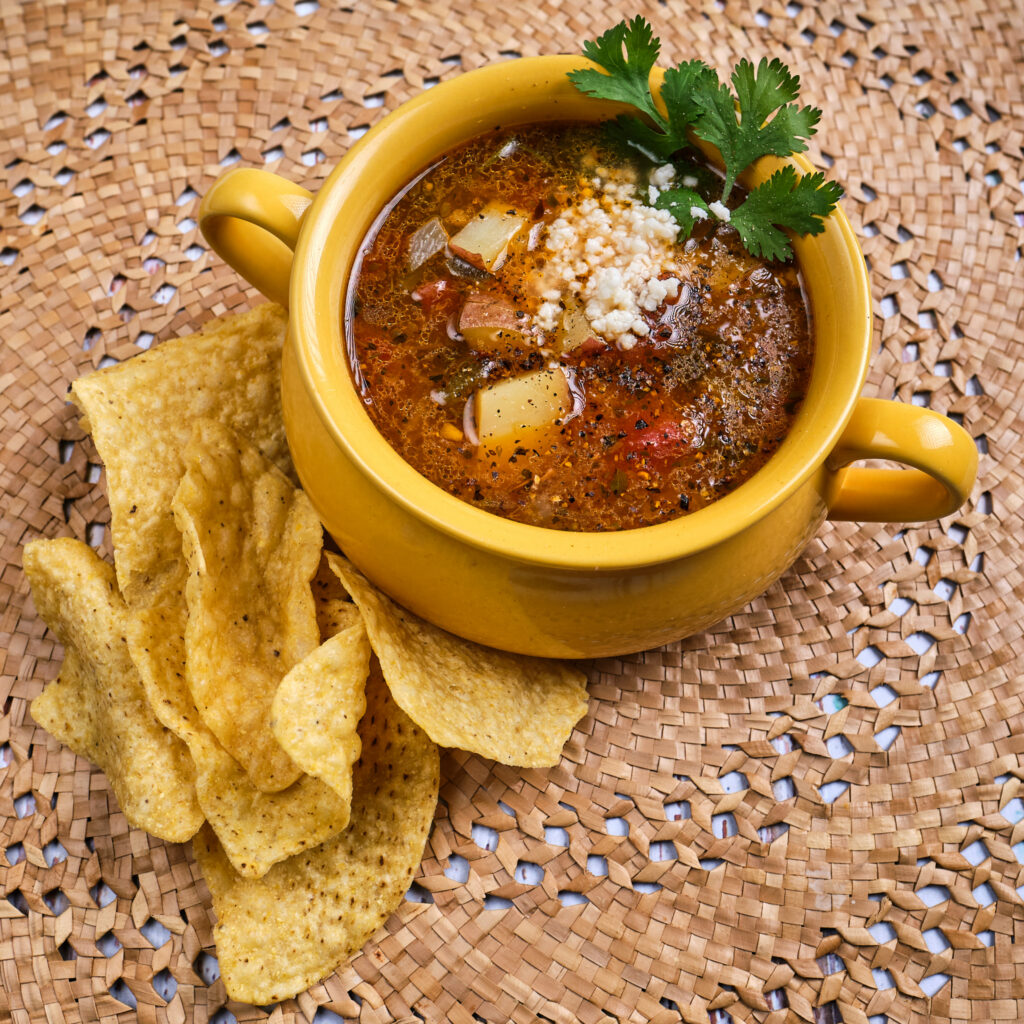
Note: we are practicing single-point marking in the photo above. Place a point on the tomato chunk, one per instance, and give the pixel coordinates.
(662, 440)
(433, 293)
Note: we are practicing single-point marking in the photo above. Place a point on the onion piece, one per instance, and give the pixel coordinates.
(452, 327)
(469, 423)
(425, 241)
(577, 392)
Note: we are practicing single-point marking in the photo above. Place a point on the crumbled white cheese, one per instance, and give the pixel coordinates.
(548, 314)
(655, 292)
(652, 194)
(661, 176)
(698, 214)
(608, 251)
(721, 211)
(689, 181)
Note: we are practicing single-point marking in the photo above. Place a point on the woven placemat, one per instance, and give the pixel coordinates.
(809, 812)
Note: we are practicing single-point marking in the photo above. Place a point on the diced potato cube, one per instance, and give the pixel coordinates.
(485, 239)
(514, 409)
(489, 323)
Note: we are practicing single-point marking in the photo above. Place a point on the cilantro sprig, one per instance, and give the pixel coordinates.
(757, 117)
(784, 200)
(628, 52)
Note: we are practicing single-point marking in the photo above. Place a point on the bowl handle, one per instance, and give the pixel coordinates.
(943, 455)
(251, 218)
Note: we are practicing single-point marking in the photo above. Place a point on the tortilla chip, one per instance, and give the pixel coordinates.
(319, 704)
(325, 585)
(252, 543)
(333, 616)
(279, 934)
(98, 706)
(261, 829)
(334, 608)
(256, 829)
(156, 640)
(513, 709)
(140, 414)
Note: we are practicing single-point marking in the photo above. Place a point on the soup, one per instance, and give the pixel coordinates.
(527, 333)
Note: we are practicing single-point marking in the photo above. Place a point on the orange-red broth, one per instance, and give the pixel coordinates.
(664, 429)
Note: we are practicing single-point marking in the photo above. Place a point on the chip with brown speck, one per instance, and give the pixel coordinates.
(508, 707)
(319, 703)
(256, 829)
(98, 705)
(252, 543)
(279, 934)
(140, 414)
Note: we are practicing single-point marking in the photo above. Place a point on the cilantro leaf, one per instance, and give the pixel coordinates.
(691, 174)
(628, 74)
(681, 202)
(785, 200)
(760, 93)
(679, 93)
(660, 142)
(632, 133)
(627, 53)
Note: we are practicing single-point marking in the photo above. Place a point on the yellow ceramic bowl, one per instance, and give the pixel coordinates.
(525, 588)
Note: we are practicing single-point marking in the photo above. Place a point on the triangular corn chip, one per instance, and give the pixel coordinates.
(279, 934)
(262, 829)
(513, 709)
(334, 615)
(98, 706)
(256, 829)
(334, 608)
(252, 543)
(140, 414)
(319, 704)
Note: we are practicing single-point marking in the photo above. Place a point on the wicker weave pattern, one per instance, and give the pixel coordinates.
(810, 812)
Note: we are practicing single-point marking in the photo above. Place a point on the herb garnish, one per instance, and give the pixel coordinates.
(696, 101)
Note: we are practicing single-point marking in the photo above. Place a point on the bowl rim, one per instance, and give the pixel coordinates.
(313, 299)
